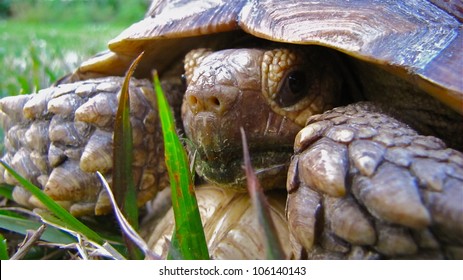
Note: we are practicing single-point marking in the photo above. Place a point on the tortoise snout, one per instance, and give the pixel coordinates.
(216, 101)
(198, 104)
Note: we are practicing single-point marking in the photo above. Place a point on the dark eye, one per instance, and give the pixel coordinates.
(294, 88)
(183, 79)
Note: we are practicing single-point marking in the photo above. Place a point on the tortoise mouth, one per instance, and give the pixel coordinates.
(270, 167)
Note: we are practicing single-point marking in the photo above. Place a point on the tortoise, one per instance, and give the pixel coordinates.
(354, 107)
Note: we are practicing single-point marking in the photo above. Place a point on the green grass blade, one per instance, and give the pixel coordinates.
(3, 249)
(21, 225)
(7, 191)
(189, 233)
(10, 213)
(24, 85)
(123, 185)
(112, 244)
(55, 222)
(273, 246)
(50, 74)
(55, 208)
(36, 64)
(174, 253)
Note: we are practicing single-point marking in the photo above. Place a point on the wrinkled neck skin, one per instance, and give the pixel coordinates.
(406, 102)
(224, 94)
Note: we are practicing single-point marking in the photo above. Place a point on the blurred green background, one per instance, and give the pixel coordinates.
(42, 40)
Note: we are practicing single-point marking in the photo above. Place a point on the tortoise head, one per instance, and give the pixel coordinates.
(269, 93)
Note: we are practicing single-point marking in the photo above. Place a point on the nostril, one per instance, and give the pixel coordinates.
(215, 104)
(194, 103)
(192, 100)
(199, 103)
(214, 101)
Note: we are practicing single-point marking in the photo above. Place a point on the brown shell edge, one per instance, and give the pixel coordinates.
(426, 40)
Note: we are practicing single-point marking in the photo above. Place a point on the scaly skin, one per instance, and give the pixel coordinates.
(61, 136)
(360, 185)
(370, 182)
(230, 89)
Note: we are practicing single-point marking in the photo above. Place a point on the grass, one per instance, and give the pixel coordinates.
(43, 40)
(34, 55)
(188, 238)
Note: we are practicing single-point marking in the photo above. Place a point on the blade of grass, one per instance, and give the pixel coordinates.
(81, 248)
(272, 242)
(56, 223)
(189, 232)
(36, 63)
(24, 83)
(50, 74)
(125, 225)
(173, 253)
(22, 224)
(3, 248)
(123, 185)
(11, 213)
(55, 208)
(6, 191)
(109, 249)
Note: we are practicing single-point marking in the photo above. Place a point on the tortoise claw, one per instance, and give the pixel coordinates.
(303, 211)
(324, 167)
(392, 195)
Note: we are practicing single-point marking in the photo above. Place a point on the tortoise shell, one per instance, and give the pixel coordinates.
(419, 40)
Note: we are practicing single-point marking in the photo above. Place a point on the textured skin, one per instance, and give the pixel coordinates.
(361, 183)
(230, 89)
(61, 136)
(371, 184)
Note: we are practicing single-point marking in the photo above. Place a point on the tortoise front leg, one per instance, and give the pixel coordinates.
(59, 137)
(364, 185)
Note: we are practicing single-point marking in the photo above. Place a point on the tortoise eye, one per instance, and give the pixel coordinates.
(294, 88)
(184, 81)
